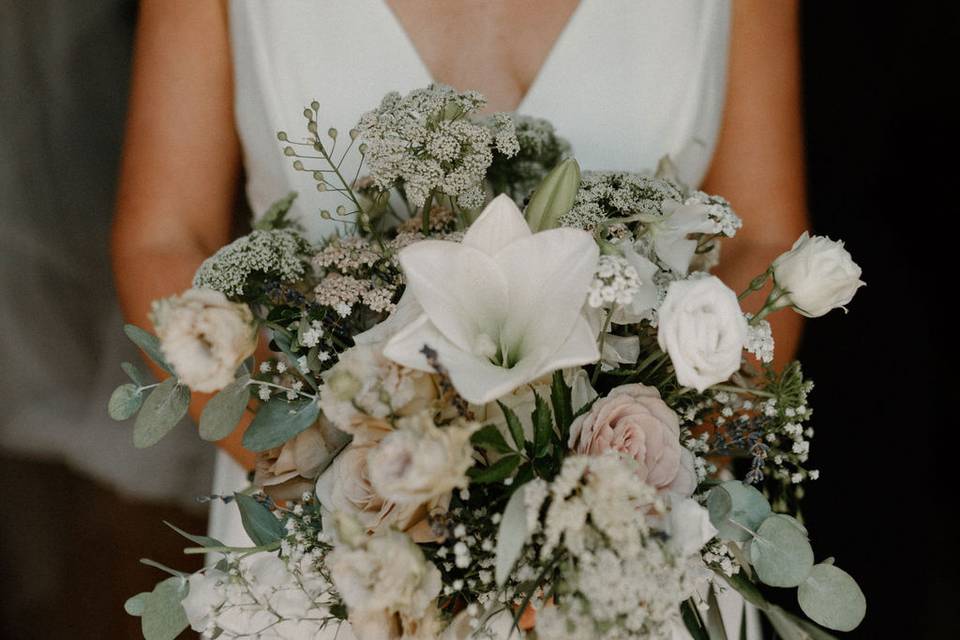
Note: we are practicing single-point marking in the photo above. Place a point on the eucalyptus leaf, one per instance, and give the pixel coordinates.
(149, 343)
(734, 503)
(134, 373)
(125, 401)
(512, 535)
(163, 617)
(496, 471)
(258, 521)
(279, 420)
(164, 408)
(223, 412)
(831, 597)
(781, 554)
(490, 438)
(135, 604)
(203, 541)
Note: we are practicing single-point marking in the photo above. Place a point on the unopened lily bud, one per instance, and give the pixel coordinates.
(554, 197)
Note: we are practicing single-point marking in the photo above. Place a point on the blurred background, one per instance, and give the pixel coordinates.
(81, 505)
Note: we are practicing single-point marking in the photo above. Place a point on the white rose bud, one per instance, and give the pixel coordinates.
(703, 330)
(420, 461)
(818, 275)
(205, 337)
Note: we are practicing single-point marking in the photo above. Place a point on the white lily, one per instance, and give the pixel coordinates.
(502, 308)
(671, 232)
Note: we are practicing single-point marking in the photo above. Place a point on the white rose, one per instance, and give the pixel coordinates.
(386, 573)
(420, 461)
(205, 337)
(689, 526)
(703, 330)
(817, 274)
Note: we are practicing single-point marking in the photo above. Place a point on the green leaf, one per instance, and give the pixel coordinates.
(134, 373)
(747, 589)
(735, 503)
(714, 621)
(135, 604)
(562, 400)
(279, 420)
(163, 617)
(124, 401)
(554, 196)
(513, 424)
(149, 343)
(691, 620)
(831, 597)
(495, 472)
(203, 541)
(276, 215)
(258, 521)
(511, 535)
(223, 412)
(790, 627)
(781, 553)
(542, 426)
(165, 407)
(490, 438)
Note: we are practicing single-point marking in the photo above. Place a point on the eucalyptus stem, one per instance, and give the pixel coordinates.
(425, 215)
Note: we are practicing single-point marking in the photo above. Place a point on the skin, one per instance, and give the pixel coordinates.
(181, 161)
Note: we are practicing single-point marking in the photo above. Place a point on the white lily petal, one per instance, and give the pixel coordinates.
(647, 296)
(475, 378)
(670, 239)
(554, 271)
(500, 224)
(407, 310)
(620, 350)
(459, 287)
(578, 349)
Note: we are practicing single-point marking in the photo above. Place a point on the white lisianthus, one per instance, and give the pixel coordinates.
(671, 232)
(382, 576)
(703, 330)
(204, 336)
(502, 308)
(419, 461)
(817, 274)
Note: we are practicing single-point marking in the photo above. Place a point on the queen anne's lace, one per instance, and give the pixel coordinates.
(279, 253)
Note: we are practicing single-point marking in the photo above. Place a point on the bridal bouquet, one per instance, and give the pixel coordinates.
(507, 400)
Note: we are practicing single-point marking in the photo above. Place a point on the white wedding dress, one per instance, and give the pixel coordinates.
(627, 82)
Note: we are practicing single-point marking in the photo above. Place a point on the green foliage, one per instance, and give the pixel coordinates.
(203, 541)
(125, 401)
(149, 344)
(832, 598)
(223, 412)
(514, 425)
(497, 471)
(276, 215)
(734, 503)
(161, 615)
(164, 408)
(542, 427)
(279, 420)
(780, 553)
(490, 438)
(562, 402)
(139, 378)
(258, 521)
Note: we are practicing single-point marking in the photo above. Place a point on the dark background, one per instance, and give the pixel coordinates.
(880, 169)
(877, 78)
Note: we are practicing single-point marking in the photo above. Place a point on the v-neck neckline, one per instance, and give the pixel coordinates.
(563, 35)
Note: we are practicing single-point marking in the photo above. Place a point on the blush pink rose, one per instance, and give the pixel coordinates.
(634, 421)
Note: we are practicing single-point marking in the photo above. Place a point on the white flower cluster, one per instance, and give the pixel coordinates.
(760, 340)
(260, 597)
(426, 142)
(616, 282)
(607, 194)
(279, 253)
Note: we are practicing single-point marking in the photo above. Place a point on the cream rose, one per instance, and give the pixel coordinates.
(345, 487)
(363, 388)
(633, 420)
(286, 472)
(386, 583)
(818, 275)
(703, 330)
(205, 337)
(419, 461)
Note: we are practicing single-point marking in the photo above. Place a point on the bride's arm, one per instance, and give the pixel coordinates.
(181, 159)
(759, 163)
